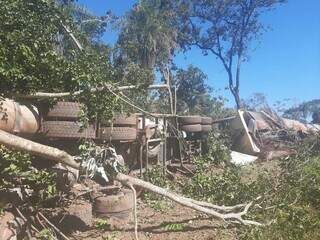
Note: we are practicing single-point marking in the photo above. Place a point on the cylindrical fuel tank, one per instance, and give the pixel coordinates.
(18, 118)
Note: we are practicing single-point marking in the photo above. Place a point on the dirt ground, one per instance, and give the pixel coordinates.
(153, 224)
(153, 221)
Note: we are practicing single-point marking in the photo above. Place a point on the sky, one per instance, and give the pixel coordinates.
(284, 64)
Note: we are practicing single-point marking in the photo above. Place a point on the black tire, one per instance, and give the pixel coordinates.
(192, 128)
(119, 205)
(122, 120)
(206, 120)
(206, 128)
(65, 111)
(64, 129)
(118, 133)
(189, 120)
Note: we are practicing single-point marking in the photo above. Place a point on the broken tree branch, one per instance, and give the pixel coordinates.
(53, 226)
(26, 220)
(127, 180)
(74, 39)
(37, 149)
(57, 155)
(46, 95)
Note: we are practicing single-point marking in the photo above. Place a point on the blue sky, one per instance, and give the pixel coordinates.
(285, 64)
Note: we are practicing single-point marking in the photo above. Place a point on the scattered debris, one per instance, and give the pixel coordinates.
(241, 159)
(242, 139)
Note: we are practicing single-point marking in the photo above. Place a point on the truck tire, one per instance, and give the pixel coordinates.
(119, 205)
(192, 128)
(118, 133)
(206, 128)
(122, 120)
(64, 129)
(206, 120)
(188, 120)
(64, 111)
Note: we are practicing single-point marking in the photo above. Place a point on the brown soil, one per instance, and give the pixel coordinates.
(152, 222)
(151, 225)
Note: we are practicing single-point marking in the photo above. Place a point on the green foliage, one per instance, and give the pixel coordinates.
(295, 211)
(101, 224)
(46, 234)
(156, 203)
(156, 177)
(194, 96)
(173, 227)
(217, 180)
(27, 58)
(148, 37)
(219, 148)
(147, 41)
(112, 236)
(37, 54)
(16, 171)
(221, 186)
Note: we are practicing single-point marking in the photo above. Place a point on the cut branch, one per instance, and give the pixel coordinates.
(74, 39)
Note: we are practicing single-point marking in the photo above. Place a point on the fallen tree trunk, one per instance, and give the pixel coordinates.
(37, 149)
(57, 155)
(187, 202)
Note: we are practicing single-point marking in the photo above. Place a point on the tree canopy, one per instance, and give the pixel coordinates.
(194, 95)
(37, 53)
(148, 36)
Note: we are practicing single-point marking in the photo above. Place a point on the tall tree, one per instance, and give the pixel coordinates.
(149, 38)
(194, 95)
(30, 62)
(224, 28)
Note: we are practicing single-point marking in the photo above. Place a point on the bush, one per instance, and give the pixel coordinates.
(217, 180)
(16, 171)
(295, 210)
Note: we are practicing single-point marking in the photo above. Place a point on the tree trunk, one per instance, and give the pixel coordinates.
(236, 88)
(37, 149)
(187, 202)
(235, 93)
(237, 99)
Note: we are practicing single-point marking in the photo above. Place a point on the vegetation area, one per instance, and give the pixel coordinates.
(285, 193)
(38, 54)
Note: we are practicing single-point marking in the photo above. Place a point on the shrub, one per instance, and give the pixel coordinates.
(294, 213)
(16, 171)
